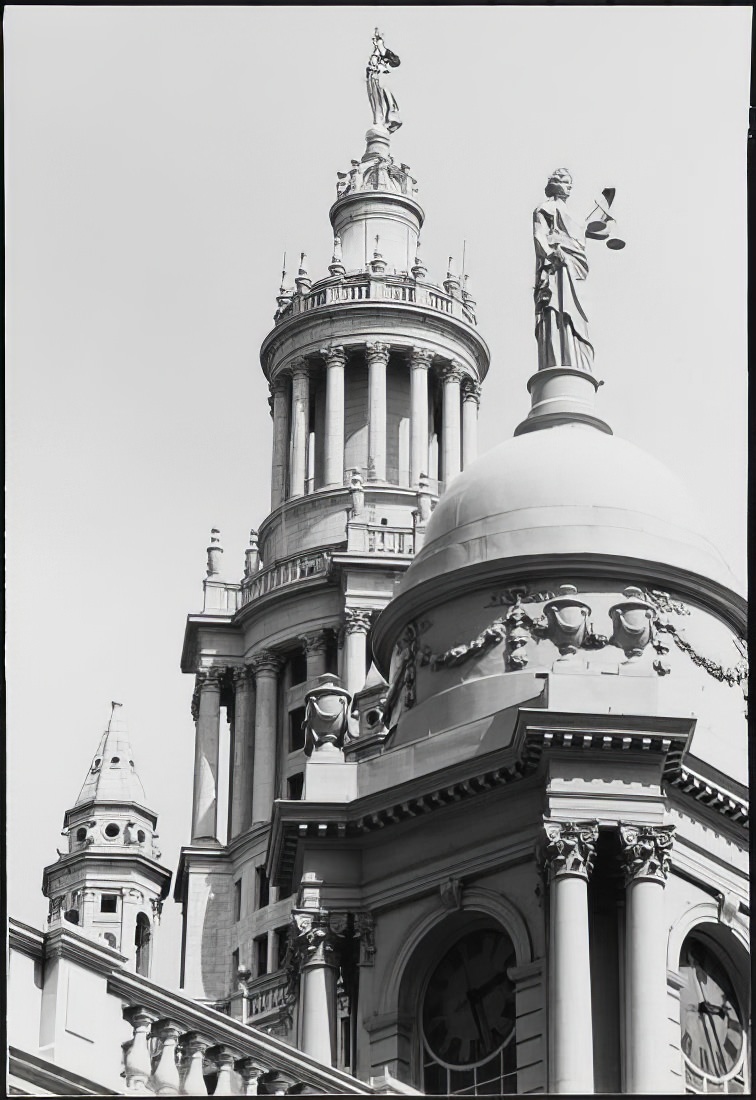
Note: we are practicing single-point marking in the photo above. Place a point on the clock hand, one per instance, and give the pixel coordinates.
(713, 1010)
(704, 1005)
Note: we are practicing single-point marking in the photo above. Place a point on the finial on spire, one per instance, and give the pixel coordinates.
(214, 553)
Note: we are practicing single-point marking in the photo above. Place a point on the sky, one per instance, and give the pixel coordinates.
(158, 163)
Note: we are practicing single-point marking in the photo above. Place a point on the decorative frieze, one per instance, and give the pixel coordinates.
(570, 847)
(646, 852)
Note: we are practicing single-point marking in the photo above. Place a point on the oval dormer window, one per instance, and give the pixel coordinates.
(81, 834)
(115, 760)
(112, 830)
(96, 763)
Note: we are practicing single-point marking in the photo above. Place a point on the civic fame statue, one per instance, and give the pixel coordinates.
(561, 269)
(382, 103)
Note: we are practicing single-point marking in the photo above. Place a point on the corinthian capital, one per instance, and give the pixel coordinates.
(243, 678)
(317, 939)
(334, 355)
(452, 372)
(299, 368)
(420, 358)
(277, 385)
(314, 643)
(646, 852)
(265, 662)
(357, 620)
(378, 352)
(471, 390)
(570, 847)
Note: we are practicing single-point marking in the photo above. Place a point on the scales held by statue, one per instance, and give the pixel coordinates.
(601, 225)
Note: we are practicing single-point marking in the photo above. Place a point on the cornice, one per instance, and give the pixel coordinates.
(109, 859)
(62, 943)
(412, 604)
(26, 939)
(86, 809)
(197, 856)
(380, 309)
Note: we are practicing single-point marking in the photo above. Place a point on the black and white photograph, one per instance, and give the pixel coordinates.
(376, 477)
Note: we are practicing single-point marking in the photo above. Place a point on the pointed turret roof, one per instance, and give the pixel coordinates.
(112, 776)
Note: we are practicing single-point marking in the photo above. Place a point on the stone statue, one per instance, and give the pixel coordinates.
(561, 268)
(382, 103)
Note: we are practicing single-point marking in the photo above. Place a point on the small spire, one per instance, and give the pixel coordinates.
(377, 264)
(303, 281)
(112, 777)
(214, 553)
(467, 298)
(419, 270)
(336, 266)
(252, 555)
(451, 282)
(284, 296)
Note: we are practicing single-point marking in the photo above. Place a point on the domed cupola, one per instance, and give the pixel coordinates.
(565, 550)
(109, 883)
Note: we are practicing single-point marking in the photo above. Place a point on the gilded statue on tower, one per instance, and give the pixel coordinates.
(561, 270)
(382, 102)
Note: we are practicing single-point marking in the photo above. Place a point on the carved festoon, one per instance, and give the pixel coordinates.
(570, 847)
(646, 851)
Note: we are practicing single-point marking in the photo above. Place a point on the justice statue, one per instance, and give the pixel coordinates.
(382, 103)
(561, 268)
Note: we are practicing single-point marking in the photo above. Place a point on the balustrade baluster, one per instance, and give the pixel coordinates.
(250, 1072)
(193, 1048)
(275, 1083)
(224, 1060)
(137, 1060)
(165, 1076)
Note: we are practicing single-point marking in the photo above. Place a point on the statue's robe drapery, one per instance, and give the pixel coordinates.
(384, 107)
(562, 334)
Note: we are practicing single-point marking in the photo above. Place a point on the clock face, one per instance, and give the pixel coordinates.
(712, 1029)
(469, 1008)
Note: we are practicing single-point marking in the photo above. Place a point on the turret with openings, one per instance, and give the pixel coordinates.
(108, 883)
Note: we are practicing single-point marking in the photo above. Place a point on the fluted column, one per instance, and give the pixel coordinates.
(335, 359)
(280, 411)
(266, 667)
(315, 645)
(646, 855)
(470, 406)
(452, 376)
(240, 809)
(570, 853)
(420, 361)
(317, 943)
(206, 712)
(300, 426)
(357, 624)
(377, 358)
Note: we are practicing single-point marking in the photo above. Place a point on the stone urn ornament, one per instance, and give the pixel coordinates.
(326, 715)
(632, 621)
(567, 620)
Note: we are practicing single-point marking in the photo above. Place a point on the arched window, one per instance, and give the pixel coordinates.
(467, 1017)
(713, 1024)
(142, 940)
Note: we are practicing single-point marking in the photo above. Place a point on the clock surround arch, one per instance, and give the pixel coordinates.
(728, 951)
(475, 902)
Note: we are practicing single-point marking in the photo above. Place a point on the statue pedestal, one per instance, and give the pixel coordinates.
(378, 143)
(561, 395)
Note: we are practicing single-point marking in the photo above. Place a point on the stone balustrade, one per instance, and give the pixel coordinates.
(363, 287)
(267, 994)
(288, 571)
(390, 540)
(180, 1048)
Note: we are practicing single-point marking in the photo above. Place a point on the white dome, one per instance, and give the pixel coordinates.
(566, 490)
